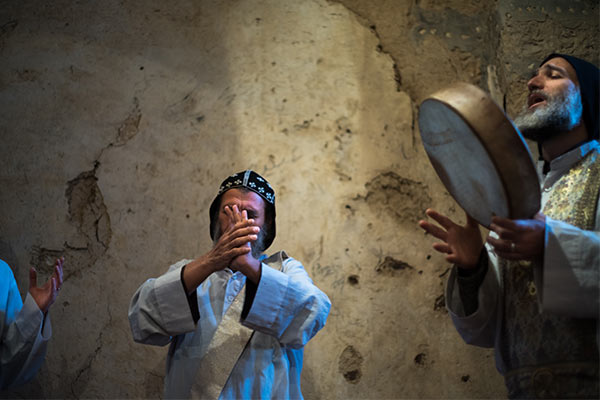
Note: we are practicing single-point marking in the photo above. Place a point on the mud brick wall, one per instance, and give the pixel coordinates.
(120, 119)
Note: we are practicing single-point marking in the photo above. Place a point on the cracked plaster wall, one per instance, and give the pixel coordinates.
(120, 119)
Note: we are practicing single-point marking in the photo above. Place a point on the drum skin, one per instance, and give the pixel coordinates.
(480, 156)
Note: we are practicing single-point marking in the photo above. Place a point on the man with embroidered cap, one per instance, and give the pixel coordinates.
(534, 294)
(236, 320)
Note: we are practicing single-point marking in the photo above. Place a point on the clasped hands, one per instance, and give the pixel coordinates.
(233, 248)
(519, 239)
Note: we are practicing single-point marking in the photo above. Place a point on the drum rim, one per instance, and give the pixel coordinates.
(500, 139)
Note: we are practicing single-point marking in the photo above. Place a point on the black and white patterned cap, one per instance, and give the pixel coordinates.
(252, 181)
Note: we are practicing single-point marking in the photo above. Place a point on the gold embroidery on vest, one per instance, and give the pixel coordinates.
(526, 341)
(575, 194)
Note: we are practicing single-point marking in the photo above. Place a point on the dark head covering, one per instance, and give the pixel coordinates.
(587, 75)
(252, 181)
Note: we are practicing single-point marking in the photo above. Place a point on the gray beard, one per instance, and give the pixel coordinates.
(257, 247)
(560, 114)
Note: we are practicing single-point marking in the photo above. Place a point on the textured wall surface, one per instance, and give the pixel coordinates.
(120, 119)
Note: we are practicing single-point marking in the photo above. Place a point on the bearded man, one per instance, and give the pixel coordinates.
(235, 319)
(534, 294)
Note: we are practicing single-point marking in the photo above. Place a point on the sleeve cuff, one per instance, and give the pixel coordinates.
(478, 327)
(269, 299)
(569, 276)
(31, 318)
(173, 302)
(484, 292)
(191, 298)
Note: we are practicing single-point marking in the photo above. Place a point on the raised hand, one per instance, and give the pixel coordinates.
(235, 240)
(245, 263)
(461, 244)
(46, 294)
(519, 239)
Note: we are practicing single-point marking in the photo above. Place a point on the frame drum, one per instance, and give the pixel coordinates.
(480, 156)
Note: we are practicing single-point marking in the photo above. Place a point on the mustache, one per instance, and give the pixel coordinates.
(537, 94)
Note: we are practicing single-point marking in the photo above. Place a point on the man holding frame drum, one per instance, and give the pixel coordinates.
(532, 292)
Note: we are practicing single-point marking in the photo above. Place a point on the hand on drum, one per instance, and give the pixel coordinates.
(461, 244)
(519, 239)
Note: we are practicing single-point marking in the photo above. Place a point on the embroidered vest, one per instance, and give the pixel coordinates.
(549, 355)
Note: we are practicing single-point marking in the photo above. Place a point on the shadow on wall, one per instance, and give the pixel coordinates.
(131, 135)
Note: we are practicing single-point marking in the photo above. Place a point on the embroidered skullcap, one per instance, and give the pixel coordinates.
(250, 180)
(588, 76)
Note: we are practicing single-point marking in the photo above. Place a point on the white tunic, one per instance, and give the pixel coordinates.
(287, 311)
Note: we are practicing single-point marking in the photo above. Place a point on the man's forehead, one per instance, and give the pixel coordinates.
(561, 65)
(247, 197)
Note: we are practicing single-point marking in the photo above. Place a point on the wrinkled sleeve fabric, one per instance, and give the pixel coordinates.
(570, 277)
(159, 309)
(469, 281)
(287, 305)
(478, 327)
(25, 334)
